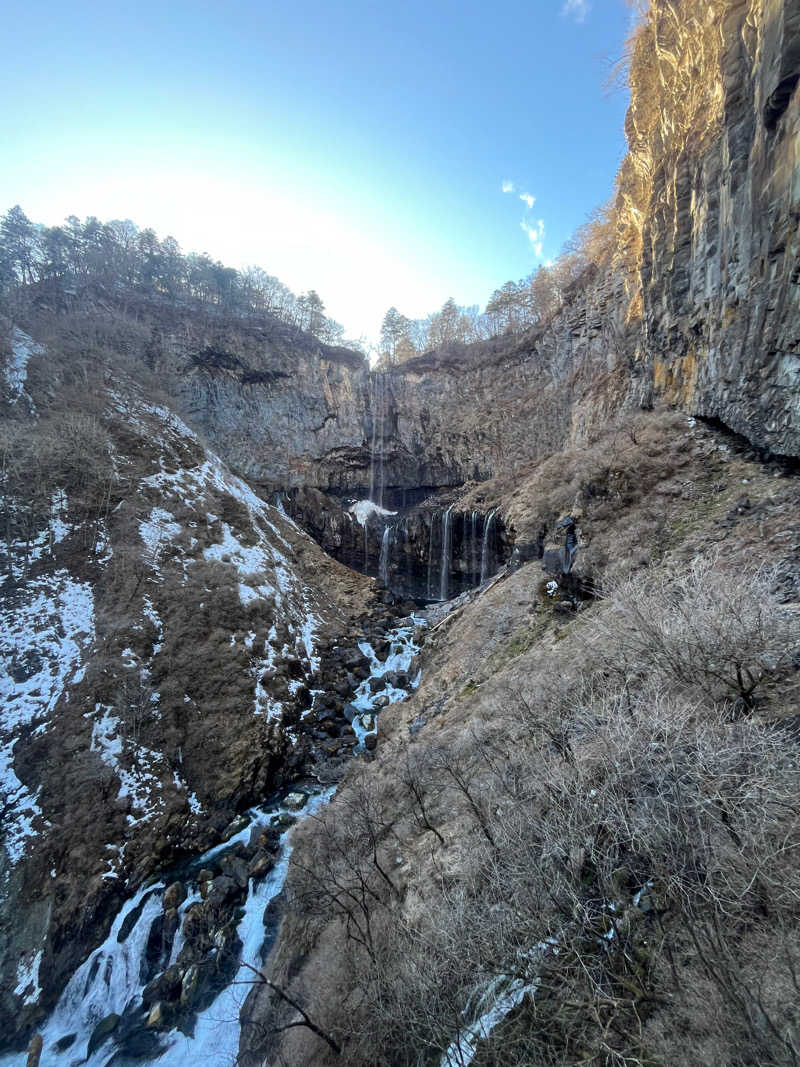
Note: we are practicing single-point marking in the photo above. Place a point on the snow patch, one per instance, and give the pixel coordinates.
(44, 630)
(154, 617)
(138, 781)
(16, 370)
(364, 510)
(28, 978)
(159, 528)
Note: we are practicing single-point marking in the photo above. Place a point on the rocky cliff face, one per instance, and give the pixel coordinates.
(288, 412)
(700, 307)
(720, 237)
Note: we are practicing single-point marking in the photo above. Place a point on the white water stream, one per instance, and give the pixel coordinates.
(110, 980)
(486, 547)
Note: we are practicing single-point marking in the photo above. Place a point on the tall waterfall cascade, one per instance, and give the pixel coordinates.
(447, 552)
(486, 548)
(376, 466)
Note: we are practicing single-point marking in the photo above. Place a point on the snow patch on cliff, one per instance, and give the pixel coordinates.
(45, 629)
(265, 568)
(16, 370)
(134, 764)
(158, 529)
(364, 510)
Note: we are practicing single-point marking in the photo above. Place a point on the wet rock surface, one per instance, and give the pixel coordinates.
(176, 947)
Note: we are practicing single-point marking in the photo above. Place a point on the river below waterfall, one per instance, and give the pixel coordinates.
(110, 1013)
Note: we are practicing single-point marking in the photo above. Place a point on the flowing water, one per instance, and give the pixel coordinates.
(383, 565)
(447, 549)
(486, 549)
(112, 978)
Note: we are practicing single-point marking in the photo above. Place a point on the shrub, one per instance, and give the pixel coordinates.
(718, 633)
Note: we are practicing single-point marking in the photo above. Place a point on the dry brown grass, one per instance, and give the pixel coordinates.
(591, 776)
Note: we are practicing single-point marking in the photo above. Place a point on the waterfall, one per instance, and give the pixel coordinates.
(383, 565)
(475, 560)
(430, 559)
(447, 538)
(374, 438)
(376, 475)
(485, 549)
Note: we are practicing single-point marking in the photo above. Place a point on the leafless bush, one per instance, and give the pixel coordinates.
(625, 853)
(719, 634)
(344, 874)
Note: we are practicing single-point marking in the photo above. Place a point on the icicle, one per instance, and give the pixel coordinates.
(447, 537)
(485, 549)
(383, 565)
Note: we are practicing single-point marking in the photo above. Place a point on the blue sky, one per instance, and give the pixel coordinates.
(356, 148)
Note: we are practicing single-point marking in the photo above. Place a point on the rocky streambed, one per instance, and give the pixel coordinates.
(168, 983)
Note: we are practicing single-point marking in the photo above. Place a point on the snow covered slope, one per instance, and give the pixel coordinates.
(162, 630)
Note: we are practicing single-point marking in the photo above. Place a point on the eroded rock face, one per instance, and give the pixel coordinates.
(288, 412)
(720, 280)
(432, 551)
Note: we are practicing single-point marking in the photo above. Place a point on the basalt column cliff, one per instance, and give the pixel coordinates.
(514, 624)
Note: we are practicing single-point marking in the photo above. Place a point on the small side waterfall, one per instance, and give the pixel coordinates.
(386, 549)
(430, 558)
(486, 548)
(447, 543)
(475, 558)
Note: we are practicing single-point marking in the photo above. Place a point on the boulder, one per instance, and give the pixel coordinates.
(223, 890)
(260, 865)
(295, 801)
(190, 987)
(381, 647)
(235, 827)
(284, 820)
(350, 712)
(235, 867)
(174, 895)
(353, 657)
(34, 1051)
(102, 1031)
(166, 987)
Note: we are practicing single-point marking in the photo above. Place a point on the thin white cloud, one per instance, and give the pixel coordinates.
(529, 200)
(535, 232)
(576, 9)
(507, 186)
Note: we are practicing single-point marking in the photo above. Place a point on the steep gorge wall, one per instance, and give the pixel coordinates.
(715, 124)
(700, 306)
